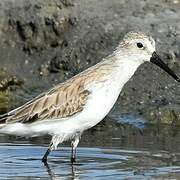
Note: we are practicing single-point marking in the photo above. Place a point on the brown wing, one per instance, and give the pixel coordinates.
(60, 102)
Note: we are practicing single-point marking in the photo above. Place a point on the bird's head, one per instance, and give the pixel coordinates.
(142, 48)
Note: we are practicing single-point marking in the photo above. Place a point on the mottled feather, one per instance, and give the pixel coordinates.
(64, 100)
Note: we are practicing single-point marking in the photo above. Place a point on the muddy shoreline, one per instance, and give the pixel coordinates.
(44, 42)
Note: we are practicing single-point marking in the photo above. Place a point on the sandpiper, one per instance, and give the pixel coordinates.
(70, 108)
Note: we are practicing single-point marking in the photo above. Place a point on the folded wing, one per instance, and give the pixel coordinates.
(62, 101)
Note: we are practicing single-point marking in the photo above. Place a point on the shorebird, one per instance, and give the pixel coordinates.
(70, 108)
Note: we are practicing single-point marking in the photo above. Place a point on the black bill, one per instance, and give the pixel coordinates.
(155, 59)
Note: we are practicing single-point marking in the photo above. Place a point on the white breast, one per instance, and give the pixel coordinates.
(101, 101)
(104, 94)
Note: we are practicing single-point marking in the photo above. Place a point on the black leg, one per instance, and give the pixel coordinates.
(73, 155)
(74, 145)
(44, 159)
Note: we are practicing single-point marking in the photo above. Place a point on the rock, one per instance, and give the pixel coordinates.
(8, 83)
(165, 115)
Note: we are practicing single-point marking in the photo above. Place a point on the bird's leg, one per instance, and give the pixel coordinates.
(73, 150)
(44, 159)
(56, 139)
(74, 145)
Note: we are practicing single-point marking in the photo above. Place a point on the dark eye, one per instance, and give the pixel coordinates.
(139, 45)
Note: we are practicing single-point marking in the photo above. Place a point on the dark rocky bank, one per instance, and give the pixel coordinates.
(44, 42)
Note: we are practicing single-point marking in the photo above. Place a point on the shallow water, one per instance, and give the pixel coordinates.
(118, 149)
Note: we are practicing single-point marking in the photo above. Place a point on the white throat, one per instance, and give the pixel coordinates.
(126, 68)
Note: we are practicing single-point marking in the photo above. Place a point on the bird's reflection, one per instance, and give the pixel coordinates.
(53, 176)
